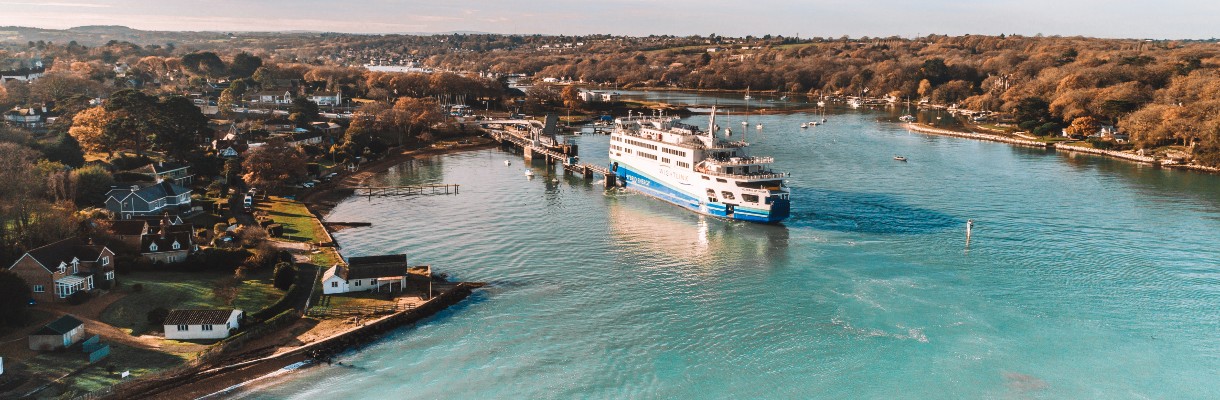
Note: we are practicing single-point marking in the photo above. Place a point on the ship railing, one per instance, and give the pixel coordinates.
(751, 176)
(739, 160)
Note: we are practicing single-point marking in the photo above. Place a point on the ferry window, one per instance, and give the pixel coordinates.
(711, 192)
(728, 170)
(749, 198)
(711, 199)
(721, 180)
(707, 179)
(727, 195)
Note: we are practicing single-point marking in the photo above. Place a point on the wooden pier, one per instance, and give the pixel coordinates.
(407, 190)
(562, 154)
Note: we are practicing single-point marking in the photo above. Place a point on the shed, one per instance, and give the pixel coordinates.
(59, 334)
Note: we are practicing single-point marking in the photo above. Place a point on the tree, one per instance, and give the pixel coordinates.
(412, 115)
(206, 63)
(136, 117)
(285, 275)
(91, 184)
(244, 65)
(156, 317)
(89, 129)
(273, 165)
(65, 149)
(14, 296)
(1032, 109)
(180, 127)
(304, 107)
(1083, 126)
(571, 97)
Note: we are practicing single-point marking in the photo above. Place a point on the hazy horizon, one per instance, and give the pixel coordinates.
(1171, 19)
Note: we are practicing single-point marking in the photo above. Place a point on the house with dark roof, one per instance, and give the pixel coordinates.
(156, 199)
(373, 273)
(33, 118)
(59, 334)
(177, 173)
(167, 246)
(301, 136)
(127, 231)
(60, 269)
(201, 324)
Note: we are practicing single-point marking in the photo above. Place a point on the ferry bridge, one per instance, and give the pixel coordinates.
(520, 133)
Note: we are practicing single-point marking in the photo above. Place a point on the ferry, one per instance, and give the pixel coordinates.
(697, 169)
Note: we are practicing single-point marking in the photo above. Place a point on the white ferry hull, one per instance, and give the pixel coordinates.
(690, 196)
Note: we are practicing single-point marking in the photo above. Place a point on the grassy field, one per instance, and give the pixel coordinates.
(122, 358)
(186, 290)
(299, 224)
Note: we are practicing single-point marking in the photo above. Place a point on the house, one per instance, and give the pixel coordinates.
(59, 334)
(33, 118)
(201, 324)
(327, 98)
(272, 97)
(156, 199)
(278, 123)
(302, 137)
(177, 173)
(329, 128)
(365, 274)
(169, 245)
(60, 269)
(128, 231)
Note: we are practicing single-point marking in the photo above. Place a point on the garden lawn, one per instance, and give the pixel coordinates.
(172, 290)
(299, 224)
(95, 377)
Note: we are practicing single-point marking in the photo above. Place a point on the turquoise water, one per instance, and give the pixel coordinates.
(1084, 278)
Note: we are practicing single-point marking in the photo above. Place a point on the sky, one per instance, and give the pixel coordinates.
(1162, 19)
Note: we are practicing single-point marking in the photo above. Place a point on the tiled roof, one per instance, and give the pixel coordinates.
(165, 243)
(198, 317)
(373, 267)
(51, 255)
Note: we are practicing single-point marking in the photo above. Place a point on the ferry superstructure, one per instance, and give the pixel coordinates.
(697, 169)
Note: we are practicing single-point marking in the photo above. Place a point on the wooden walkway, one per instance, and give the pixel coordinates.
(568, 161)
(407, 190)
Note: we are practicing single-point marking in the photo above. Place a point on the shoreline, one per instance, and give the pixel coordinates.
(1147, 160)
(233, 377)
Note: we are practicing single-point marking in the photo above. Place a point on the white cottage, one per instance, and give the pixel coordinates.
(374, 273)
(201, 324)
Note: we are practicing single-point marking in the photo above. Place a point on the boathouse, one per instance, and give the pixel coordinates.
(373, 273)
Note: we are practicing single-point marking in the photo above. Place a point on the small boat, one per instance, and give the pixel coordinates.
(783, 98)
(804, 125)
(900, 158)
(758, 127)
(821, 103)
(529, 173)
(823, 120)
(507, 162)
(745, 123)
(907, 118)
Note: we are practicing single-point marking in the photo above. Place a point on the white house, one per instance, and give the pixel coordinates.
(373, 273)
(327, 98)
(201, 324)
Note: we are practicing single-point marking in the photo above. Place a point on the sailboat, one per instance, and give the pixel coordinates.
(907, 117)
(748, 93)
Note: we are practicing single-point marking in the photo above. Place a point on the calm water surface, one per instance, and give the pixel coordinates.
(1085, 278)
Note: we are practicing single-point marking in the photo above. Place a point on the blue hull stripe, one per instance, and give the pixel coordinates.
(642, 183)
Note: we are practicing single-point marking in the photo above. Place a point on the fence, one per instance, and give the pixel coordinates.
(352, 311)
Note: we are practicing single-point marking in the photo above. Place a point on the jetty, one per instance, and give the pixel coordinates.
(538, 141)
(407, 190)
